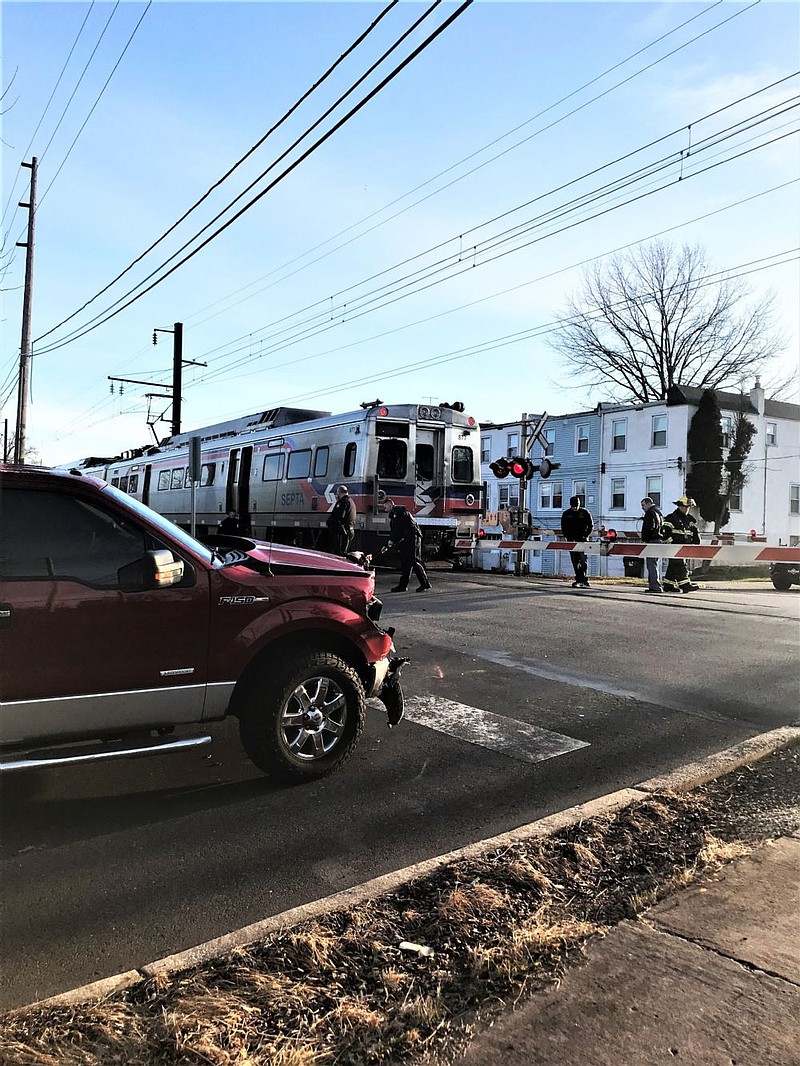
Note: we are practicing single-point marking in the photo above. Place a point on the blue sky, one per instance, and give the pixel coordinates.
(303, 299)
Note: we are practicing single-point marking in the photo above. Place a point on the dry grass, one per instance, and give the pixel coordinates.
(337, 991)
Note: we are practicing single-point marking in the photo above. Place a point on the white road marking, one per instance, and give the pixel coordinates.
(518, 740)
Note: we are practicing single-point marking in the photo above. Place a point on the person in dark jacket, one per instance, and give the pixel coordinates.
(341, 522)
(405, 537)
(680, 528)
(230, 524)
(577, 524)
(652, 533)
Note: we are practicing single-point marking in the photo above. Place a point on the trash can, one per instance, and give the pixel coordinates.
(633, 565)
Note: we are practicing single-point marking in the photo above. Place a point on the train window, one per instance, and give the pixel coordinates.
(133, 483)
(321, 462)
(187, 478)
(115, 482)
(349, 464)
(391, 429)
(424, 462)
(299, 464)
(177, 478)
(207, 471)
(123, 484)
(163, 480)
(462, 464)
(273, 467)
(392, 459)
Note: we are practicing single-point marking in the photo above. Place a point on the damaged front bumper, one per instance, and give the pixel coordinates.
(391, 692)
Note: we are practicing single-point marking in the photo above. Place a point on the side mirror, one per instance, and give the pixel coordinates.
(155, 570)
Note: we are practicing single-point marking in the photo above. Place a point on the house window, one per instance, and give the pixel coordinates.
(550, 437)
(579, 490)
(509, 496)
(725, 426)
(772, 432)
(653, 489)
(658, 437)
(486, 449)
(619, 434)
(735, 502)
(582, 439)
(512, 445)
(551, 495)
(794, 499)
(618, 493)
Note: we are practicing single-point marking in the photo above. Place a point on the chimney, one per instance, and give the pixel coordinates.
(757, 397)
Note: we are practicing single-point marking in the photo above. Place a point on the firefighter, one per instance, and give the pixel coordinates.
(680, 528)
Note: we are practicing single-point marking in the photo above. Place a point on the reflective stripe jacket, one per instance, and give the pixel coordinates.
(680, 528)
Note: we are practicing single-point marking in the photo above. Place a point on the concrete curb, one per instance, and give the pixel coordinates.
(681, 780)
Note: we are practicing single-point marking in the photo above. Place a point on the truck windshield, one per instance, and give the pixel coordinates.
(169, 528)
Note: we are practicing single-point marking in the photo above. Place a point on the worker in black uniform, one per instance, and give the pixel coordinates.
(680, 528)
(405, 537)
(577, 524)
(341, 522)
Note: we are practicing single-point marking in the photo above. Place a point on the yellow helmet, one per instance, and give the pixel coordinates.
(684, 501)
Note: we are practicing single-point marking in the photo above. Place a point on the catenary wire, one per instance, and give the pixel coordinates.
(237, 164)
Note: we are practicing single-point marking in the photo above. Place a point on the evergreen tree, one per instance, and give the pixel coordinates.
(704, 447)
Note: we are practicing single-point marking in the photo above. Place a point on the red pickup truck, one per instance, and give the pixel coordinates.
(118, 630)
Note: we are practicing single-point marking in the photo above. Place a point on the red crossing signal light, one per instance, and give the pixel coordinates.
(500, 468)
(521, 467)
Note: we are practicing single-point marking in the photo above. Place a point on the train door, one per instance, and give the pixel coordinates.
(146, 484)
(429, 471)
(237, 490)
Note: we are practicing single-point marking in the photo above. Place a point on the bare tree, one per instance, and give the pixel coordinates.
(657, 317)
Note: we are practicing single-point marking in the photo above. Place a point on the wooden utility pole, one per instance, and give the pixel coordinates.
(27, 301)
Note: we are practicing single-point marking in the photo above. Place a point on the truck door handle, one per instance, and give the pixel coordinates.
(5, 615)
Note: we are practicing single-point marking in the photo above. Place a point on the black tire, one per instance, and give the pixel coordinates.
(291, 743)
(782, 582)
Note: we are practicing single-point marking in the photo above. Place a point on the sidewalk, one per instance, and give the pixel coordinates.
(708, 977)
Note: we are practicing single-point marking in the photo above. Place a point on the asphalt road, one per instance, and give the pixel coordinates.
(564, 695)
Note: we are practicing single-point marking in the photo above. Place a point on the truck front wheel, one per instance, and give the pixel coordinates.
(302, 719)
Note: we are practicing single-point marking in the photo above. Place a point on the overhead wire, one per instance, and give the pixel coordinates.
(275, 126)
(109, 313)
(490, 144)
(46, 109)
(325, 303)
(458, 263)
(96, 102)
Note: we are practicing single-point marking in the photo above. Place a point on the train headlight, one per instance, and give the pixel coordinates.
(469, 500)
(423, 412)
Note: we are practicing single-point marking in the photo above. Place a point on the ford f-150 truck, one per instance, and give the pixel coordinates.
(118, 630)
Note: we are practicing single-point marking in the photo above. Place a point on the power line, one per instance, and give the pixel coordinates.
(490, 144)
(97, 100)
(235, 166)
(82, 331)
(458, 263)
(46, 108)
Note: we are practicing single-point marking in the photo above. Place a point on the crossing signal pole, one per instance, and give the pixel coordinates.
(27, 303)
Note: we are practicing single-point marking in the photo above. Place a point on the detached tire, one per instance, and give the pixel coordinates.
(303, 718)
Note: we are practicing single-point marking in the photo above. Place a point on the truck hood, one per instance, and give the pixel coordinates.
(282, 557)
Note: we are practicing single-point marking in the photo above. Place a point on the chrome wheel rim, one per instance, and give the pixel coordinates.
(314, 718)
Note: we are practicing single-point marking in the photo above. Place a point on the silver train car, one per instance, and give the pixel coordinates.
(279, 471)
